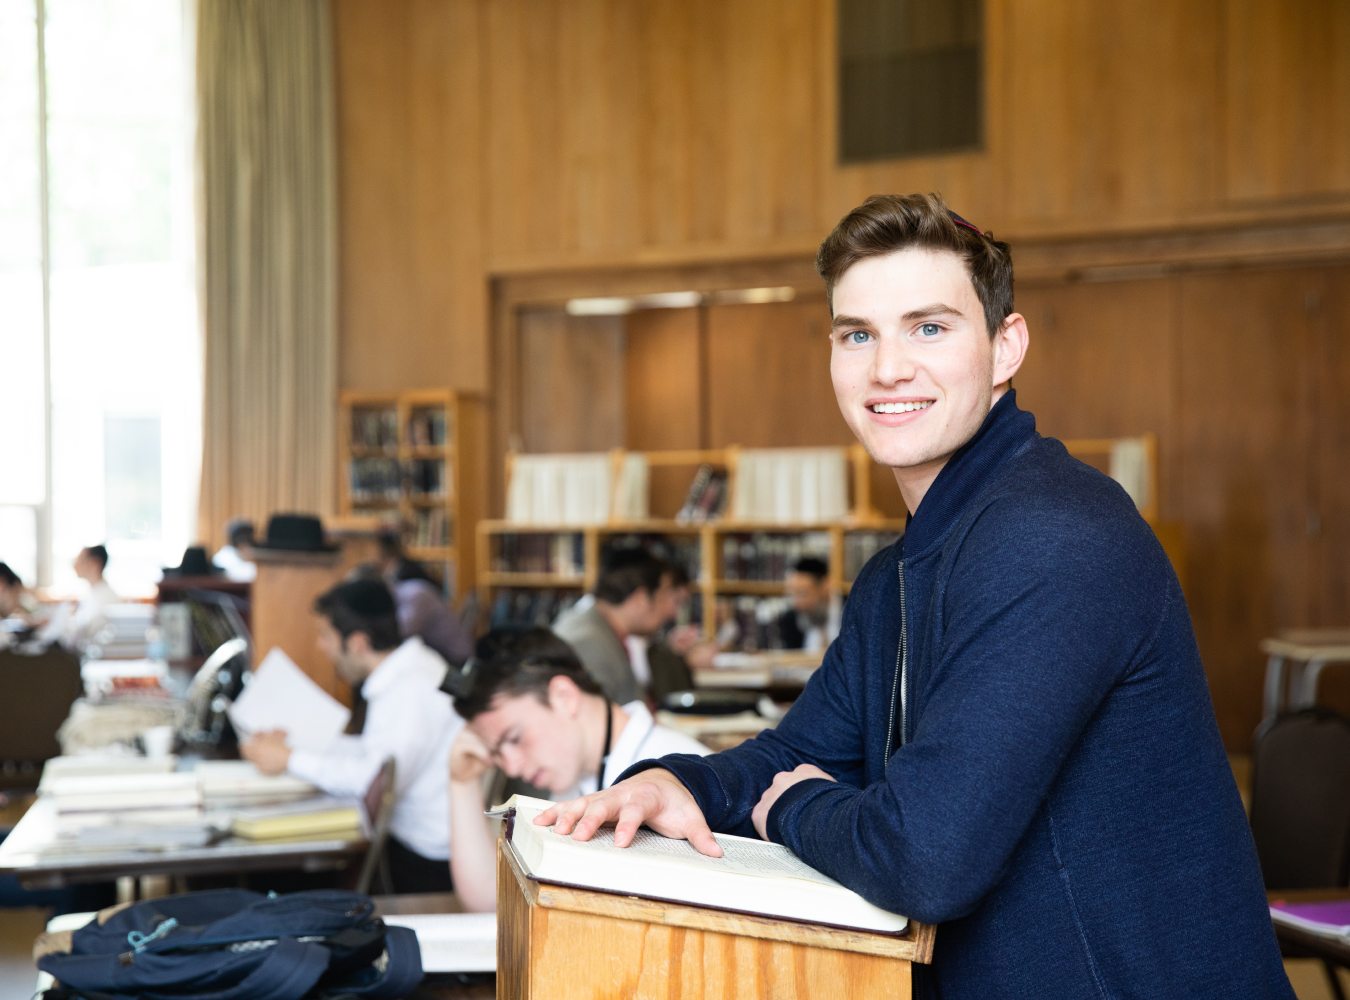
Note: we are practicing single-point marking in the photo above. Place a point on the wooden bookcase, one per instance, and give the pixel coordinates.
(416, 460)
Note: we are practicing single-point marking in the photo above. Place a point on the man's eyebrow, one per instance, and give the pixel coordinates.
(839, 321)
(937, 309)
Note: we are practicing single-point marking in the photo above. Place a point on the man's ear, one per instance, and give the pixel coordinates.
(1010, 348)
(357, 645)
(564, 696)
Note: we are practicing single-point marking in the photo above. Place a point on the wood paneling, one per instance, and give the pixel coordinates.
(769, 371)
(1109, 110)
(665, 405)
(1245, 425)
(1102, 363)
(412, 299)
(1287, 98)
(571, 381)
(1328, 527)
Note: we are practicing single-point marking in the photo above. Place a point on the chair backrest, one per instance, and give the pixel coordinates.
(1301, 800)
(38, 692)
(379, 802)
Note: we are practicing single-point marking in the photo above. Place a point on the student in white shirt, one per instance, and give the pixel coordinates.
(531, 709)
(91, 615)
(408, 718)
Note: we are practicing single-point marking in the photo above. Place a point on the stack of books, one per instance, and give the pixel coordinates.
(237, 784)
(138, 800)
(315, 819)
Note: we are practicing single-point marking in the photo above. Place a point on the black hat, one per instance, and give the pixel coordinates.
(194, 563)
(295, 533)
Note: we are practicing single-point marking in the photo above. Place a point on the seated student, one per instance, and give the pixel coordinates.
(636, 595)
(91, 615)
(422, 610)
(235, 556)
(812, 623)
(408, 718)
(531, 708)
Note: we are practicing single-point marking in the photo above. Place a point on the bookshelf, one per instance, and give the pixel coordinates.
(415, 461)
(733, 561)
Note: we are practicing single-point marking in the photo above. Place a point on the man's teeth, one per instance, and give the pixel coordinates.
(900, 407)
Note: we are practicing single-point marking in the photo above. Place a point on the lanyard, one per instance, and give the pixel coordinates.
(609, 733)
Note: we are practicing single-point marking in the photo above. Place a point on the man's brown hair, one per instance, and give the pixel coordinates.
(887, 223)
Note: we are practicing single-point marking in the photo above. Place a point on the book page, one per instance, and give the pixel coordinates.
(281, 696)
(740, 854)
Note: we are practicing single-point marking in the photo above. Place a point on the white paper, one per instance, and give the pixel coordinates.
(281, 696)
(453, 942)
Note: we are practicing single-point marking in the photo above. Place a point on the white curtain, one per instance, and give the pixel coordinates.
(267, 258)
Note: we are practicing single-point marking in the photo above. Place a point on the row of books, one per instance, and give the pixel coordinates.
(375, 428)
(387, 478)
(769, 557)
(429, 529)
(561, 554)
(426, 428)
(513, 607)
(860, 546)
(679, 550)
(707, 497)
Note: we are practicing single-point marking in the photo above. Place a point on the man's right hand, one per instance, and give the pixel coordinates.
(655, 797)
(469, 758)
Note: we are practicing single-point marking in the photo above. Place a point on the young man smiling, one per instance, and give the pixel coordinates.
(1012, 736)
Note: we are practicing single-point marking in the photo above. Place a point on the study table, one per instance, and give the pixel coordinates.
(22, 854)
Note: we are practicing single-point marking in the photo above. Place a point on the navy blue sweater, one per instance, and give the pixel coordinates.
(1056, 795)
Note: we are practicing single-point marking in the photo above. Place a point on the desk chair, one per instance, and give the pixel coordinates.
(38, 692)
(1301, 805)
(379, 802)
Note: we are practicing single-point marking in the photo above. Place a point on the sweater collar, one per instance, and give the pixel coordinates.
(1004, 431)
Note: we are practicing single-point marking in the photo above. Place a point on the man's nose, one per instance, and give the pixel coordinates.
(510, 761)
(892, 363)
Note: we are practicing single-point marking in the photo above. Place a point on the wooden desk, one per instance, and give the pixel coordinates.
(560, 943)
(20, 855)
(1313, 649)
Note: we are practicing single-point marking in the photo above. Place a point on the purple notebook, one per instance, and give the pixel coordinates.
(1331, 918)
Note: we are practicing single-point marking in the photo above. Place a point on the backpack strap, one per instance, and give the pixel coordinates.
(289, 971)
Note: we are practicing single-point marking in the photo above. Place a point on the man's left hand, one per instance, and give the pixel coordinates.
(782, 781)
(268, 751)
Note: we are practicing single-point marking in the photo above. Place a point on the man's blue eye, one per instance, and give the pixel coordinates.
(857, 336)
(930, 329)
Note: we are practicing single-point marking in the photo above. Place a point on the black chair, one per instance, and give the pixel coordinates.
(38, 692)
(1300, 812)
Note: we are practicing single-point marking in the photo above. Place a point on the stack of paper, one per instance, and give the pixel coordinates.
(83, 802)
(98, 764)
(453, 942)
(228, 784)
(315, 819)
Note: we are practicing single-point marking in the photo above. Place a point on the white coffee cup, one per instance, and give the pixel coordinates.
(158, 741)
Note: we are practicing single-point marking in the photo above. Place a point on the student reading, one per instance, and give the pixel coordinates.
(1012, 736)
(531, 707)
(407, 718)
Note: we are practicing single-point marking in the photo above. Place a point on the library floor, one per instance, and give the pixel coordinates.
(18, 928)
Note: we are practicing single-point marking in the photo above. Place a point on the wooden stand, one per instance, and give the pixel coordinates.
(559, 943)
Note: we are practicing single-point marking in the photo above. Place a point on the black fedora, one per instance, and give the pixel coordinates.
(295, 533)
(194, 563)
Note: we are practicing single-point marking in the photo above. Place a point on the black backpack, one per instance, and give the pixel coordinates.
(231, 944)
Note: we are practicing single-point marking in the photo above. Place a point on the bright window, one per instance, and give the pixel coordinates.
(120, 320)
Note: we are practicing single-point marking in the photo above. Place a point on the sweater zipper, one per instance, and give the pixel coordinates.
(900, 686)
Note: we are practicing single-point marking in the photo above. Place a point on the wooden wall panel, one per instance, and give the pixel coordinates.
(1102, 363)
(769, 374)
(1287, 88)
(1245, 437)
(571, 381)
(412, 299)
(1110, 111)
(664, 398)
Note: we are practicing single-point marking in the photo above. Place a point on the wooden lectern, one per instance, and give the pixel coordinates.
(558, 943)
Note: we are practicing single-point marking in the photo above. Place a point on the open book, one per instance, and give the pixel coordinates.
(752, 876)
